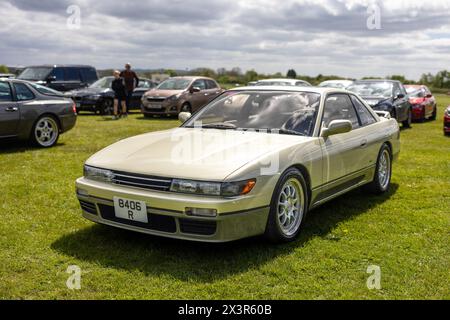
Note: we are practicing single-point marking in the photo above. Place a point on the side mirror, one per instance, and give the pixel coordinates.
(51, 79)
(336, 127)
(184, 116)
(399, 96)
(429, 96)
(195, 89)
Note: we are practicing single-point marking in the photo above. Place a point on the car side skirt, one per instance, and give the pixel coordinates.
(333, 189)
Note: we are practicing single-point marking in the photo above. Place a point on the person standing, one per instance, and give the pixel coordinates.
(131, 82)
(120, 94)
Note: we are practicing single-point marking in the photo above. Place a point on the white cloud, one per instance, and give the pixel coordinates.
(326, 36)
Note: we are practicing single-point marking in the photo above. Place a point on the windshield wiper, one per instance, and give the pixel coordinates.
(287, 131)
(221, 125)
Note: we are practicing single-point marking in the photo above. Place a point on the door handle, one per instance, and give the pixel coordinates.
(12, 109)
(363, 143)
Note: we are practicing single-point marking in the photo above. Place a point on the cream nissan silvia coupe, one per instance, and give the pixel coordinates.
(253, 161)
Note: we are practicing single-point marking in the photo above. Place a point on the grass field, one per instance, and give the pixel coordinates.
(406, 233)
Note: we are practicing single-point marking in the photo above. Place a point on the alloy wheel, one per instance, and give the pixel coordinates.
(290, 207)
(46, 131)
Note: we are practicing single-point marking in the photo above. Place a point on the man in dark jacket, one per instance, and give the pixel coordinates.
(131, 82)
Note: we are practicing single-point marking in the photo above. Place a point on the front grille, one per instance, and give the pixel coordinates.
(204, 228)
(155, 99)
(155, 221)
(141, 181)
(88, 207)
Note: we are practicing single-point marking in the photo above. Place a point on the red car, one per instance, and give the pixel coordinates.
(423, 102)
(447, 121)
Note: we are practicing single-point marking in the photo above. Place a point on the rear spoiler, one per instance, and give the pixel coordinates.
(383, 114)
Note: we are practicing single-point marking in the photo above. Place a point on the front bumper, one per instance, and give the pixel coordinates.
(447, 124)
(165, 107)
(237, 218)
(418, 113)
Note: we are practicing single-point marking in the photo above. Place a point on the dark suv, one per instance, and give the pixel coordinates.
(60, 77)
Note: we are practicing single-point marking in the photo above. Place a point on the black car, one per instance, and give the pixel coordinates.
(99, 97)
(29, 111)
(60, 77)
(385, 95)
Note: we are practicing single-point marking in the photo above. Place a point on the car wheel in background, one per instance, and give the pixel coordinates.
(288, 207)
(107, 107)
(186, 107)
(434, 115)
(383, 172)
(45, 132)
(408, 121)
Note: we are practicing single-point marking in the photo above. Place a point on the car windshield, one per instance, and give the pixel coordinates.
(174, 84)
(103, 83)
(280, 111)
(45, 90)
(372, 89)
(412, 89)
(35, 73)
(417, 94)
(144, 83)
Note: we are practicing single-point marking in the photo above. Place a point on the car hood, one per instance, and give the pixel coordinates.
(162, 93)
(199, 154)
(374, 100)
(87, 91)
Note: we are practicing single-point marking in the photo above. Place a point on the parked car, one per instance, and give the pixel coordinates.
(60, 77)
(178, 94)
(385, 95)
(338, 84)
(29, 111)
(264, 157)
(283, 82)
(447, 121)
(423, 102)
(99, 97)
(7, 75)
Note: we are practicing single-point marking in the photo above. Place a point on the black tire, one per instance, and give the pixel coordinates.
(45, 132)
(186, 107)
(274, 231)
(408, 121)
(378, 186)
(107, 107)
(434, 115)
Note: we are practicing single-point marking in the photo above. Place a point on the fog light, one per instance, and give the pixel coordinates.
(82, 192)
(200, 212)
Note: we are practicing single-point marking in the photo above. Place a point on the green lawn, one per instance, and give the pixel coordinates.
(406, 233)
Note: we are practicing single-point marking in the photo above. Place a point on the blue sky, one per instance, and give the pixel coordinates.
(324, 36)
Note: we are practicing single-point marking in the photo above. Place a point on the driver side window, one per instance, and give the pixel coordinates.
(199, 84)
(339, 107)
(5, 92)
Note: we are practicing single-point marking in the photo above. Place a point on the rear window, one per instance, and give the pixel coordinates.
(45, 90)
(23, 92)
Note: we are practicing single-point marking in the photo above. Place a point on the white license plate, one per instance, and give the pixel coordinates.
(128, 209)
(155, 106)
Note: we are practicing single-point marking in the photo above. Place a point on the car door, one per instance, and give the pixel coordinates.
(342, 153)
(200, 98)
(212, 89)
(56, 79)
(9, 111)
(402, 105)
(429, 103)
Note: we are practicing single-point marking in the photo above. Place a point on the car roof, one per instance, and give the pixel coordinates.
(318, 90)
(281, 79)
(191, 77)
(60, 65)
(377, 80)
